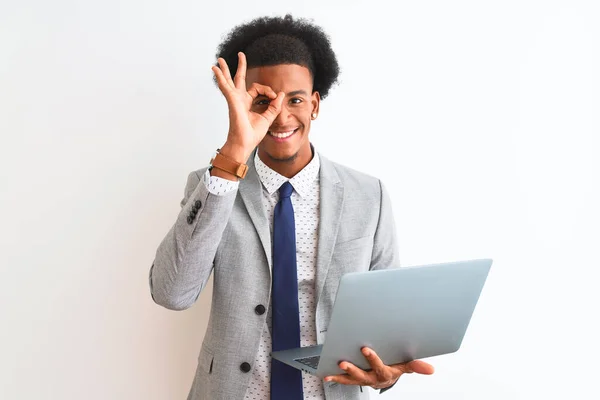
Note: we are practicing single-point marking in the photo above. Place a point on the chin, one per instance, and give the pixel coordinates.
(282, 156)
(285, 152)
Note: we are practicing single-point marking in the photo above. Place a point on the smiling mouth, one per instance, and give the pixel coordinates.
(282, 134)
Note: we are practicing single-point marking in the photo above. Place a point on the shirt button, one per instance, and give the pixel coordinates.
(245, 367)
(260, 309)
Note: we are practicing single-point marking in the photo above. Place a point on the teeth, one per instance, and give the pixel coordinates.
(281, 135)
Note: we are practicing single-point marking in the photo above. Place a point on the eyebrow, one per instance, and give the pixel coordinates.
(290, 94)
(296, 92)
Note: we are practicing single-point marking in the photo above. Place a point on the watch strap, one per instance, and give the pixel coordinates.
(228, 165)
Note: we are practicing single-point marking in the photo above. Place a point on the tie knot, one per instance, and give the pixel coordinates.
(285, 190)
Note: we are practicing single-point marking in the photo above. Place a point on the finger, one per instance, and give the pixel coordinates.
(419, 367)
(357, 374)
(225, 69)
(221, 81)
(274, 108)
(261, 90)
(240, 75)
(383, 372)
(343, 379)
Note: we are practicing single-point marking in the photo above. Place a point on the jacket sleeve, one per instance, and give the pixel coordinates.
(184, 259)
(385, 244)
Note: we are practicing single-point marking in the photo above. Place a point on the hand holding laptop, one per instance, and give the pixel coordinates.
(380, 376)
(421, 311)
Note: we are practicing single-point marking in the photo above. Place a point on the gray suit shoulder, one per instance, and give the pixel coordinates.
(355, 179)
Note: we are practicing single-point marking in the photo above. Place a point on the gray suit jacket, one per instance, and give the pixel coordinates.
(229, 235)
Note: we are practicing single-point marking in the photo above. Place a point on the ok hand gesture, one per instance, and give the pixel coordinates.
(246, 127)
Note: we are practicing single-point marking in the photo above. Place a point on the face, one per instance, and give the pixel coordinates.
(286, 147)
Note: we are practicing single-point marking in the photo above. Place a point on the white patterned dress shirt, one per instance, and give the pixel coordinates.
(305, 200)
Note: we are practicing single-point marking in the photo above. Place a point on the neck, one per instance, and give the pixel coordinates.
(288, 167)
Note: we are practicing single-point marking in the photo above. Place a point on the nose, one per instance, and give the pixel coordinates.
(283, 116)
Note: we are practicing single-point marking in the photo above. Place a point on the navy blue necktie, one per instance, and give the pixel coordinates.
(286, 382)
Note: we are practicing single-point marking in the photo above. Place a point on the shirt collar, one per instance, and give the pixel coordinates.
(301, 182)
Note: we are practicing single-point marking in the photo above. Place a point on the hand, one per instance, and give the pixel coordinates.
(246, 127)
(381, 376)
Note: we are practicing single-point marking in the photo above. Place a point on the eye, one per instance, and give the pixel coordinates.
(262, 102)
(296, 100)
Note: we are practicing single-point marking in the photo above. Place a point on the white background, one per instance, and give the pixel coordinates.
(480, 116)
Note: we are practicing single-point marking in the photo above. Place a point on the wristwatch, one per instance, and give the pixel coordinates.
(226, 164)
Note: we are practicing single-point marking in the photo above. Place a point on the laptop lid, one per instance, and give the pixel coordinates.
(403, 314)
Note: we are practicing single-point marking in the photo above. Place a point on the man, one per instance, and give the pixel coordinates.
(277, 223)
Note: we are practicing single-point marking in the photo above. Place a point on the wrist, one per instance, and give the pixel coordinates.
(235, 152)
(225, 164)
(222, 174)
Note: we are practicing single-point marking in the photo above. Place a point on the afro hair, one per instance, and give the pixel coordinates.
(283, 40)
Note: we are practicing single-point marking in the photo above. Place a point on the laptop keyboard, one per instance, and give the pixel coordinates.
(310, 361)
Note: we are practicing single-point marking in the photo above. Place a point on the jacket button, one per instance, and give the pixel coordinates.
(245, 367)
(190, 219)
(198, 204)
(260, 309)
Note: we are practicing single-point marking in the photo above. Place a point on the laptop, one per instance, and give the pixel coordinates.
(403, 314)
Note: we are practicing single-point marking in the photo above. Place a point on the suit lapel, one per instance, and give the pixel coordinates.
(250, 190)
(331, 200)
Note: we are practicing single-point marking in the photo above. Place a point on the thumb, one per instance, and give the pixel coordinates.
(419, 367)
(274, 108)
